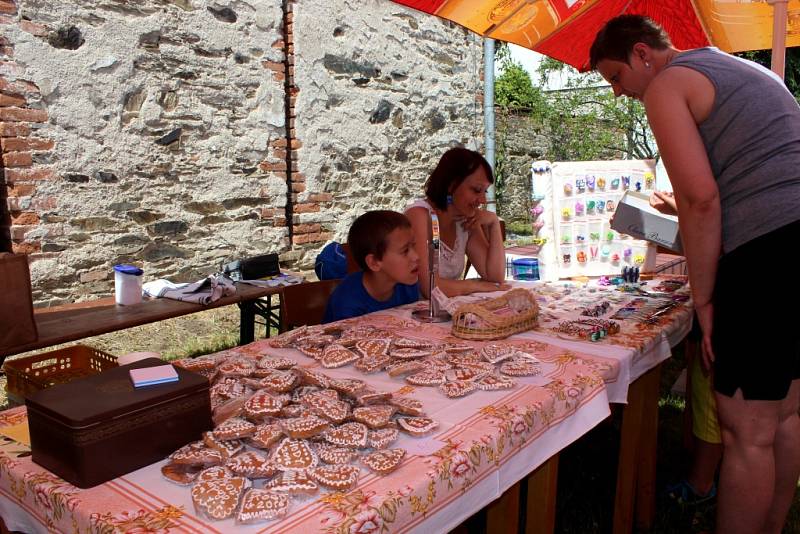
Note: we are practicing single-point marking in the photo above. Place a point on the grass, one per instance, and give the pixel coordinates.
(587, 468)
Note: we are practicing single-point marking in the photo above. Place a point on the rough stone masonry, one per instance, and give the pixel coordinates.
(175, 134)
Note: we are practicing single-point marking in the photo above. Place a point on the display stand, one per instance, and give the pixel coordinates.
(573, 203)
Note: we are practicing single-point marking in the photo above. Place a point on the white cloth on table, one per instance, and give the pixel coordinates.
(204, 291)
(275, 281)
(451, 261)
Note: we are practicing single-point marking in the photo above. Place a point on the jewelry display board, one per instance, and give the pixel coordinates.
(573, 203)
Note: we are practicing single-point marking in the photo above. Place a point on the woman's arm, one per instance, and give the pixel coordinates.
(668, 101)
(420, 225)
(485, 247)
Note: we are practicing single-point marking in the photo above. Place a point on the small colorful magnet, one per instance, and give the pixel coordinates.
(609, 205)
(567, 259)
(537, 225)
(567, 188)
(593, 251)
(566, 213)
(537, 210)
(638, 186)
(590, 181)
(627, 253)
(580, 185)
(605, 251)
(609, 236)
(600, 206)
(614, 183)
(638, 259)
(580, 238)
(601, 183)
(578, 209)
(566, 239)
(615, 258)
(581, 256)
(649, 180)
(626, 182)
(590, 206)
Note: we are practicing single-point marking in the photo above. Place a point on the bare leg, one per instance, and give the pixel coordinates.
(705, 459)
(747, 476)
(787, 460)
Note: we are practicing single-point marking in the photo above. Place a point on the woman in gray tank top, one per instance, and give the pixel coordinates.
(729, 133)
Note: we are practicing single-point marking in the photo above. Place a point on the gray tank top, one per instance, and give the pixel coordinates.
(752, 138)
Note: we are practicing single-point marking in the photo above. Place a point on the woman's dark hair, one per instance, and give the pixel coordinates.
(454, 166)
(619, 35)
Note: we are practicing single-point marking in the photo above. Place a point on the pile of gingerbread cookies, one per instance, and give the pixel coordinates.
(284, 432)
(457, 369)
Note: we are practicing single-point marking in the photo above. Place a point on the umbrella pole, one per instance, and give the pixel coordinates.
(779, 15)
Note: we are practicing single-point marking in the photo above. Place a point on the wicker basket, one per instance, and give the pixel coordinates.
(34, 373)
(515, 311)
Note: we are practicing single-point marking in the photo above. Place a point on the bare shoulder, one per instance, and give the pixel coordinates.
(682, 84)
(417, 213)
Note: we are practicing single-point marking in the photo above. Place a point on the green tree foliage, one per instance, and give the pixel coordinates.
(514, 89)
(583, 121)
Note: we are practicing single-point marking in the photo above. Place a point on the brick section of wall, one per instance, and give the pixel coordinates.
(20, 112)
(301, 200)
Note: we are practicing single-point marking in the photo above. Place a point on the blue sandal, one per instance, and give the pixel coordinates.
(684, 493)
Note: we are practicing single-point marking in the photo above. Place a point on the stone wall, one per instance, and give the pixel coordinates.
(177, 133)
(383, 92)
(519, 141)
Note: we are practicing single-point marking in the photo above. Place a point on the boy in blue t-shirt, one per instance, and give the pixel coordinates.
(382, 243)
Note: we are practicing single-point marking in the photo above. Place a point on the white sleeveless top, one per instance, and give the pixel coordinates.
(451, 261)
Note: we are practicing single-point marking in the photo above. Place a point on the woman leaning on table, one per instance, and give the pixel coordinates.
(456, 193)
(729, 133)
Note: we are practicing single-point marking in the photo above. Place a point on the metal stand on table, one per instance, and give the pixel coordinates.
(433, 314)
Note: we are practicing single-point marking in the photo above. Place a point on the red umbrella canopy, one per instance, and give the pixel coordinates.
(563, 29)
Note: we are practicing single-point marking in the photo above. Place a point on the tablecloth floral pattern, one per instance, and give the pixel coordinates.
(484, 430)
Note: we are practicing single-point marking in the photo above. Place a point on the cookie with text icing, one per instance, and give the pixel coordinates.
(294, 454)
(347, 435)
(218, 499)
(261, 505)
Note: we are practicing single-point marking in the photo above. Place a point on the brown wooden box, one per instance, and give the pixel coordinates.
(99, 427)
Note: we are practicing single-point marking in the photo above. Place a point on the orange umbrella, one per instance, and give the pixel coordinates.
(565, 29)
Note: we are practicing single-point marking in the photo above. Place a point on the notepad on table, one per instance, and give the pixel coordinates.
(150, 376)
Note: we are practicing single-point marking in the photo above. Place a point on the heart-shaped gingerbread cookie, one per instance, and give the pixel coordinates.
(261, 505)
(384, 462)
(336, 477)
(218, 499)
(382, 438)
(347, 435)
(417, 426)
(294, 454)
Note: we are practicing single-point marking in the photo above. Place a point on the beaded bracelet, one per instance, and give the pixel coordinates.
(592, 329)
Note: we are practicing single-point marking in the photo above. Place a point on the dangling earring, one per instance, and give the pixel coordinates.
(449, 199)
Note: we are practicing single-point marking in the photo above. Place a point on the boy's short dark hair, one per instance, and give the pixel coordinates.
(454, 166)
(617, 38)
(368, 234)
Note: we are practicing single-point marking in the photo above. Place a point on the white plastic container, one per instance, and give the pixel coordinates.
(127, 284)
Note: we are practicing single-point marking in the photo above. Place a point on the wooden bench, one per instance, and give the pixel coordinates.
(71, 322)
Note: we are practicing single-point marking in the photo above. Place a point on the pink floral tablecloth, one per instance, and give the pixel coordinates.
(485, 443)
(638, 348)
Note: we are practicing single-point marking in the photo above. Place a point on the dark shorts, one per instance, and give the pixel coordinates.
(756, 336)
